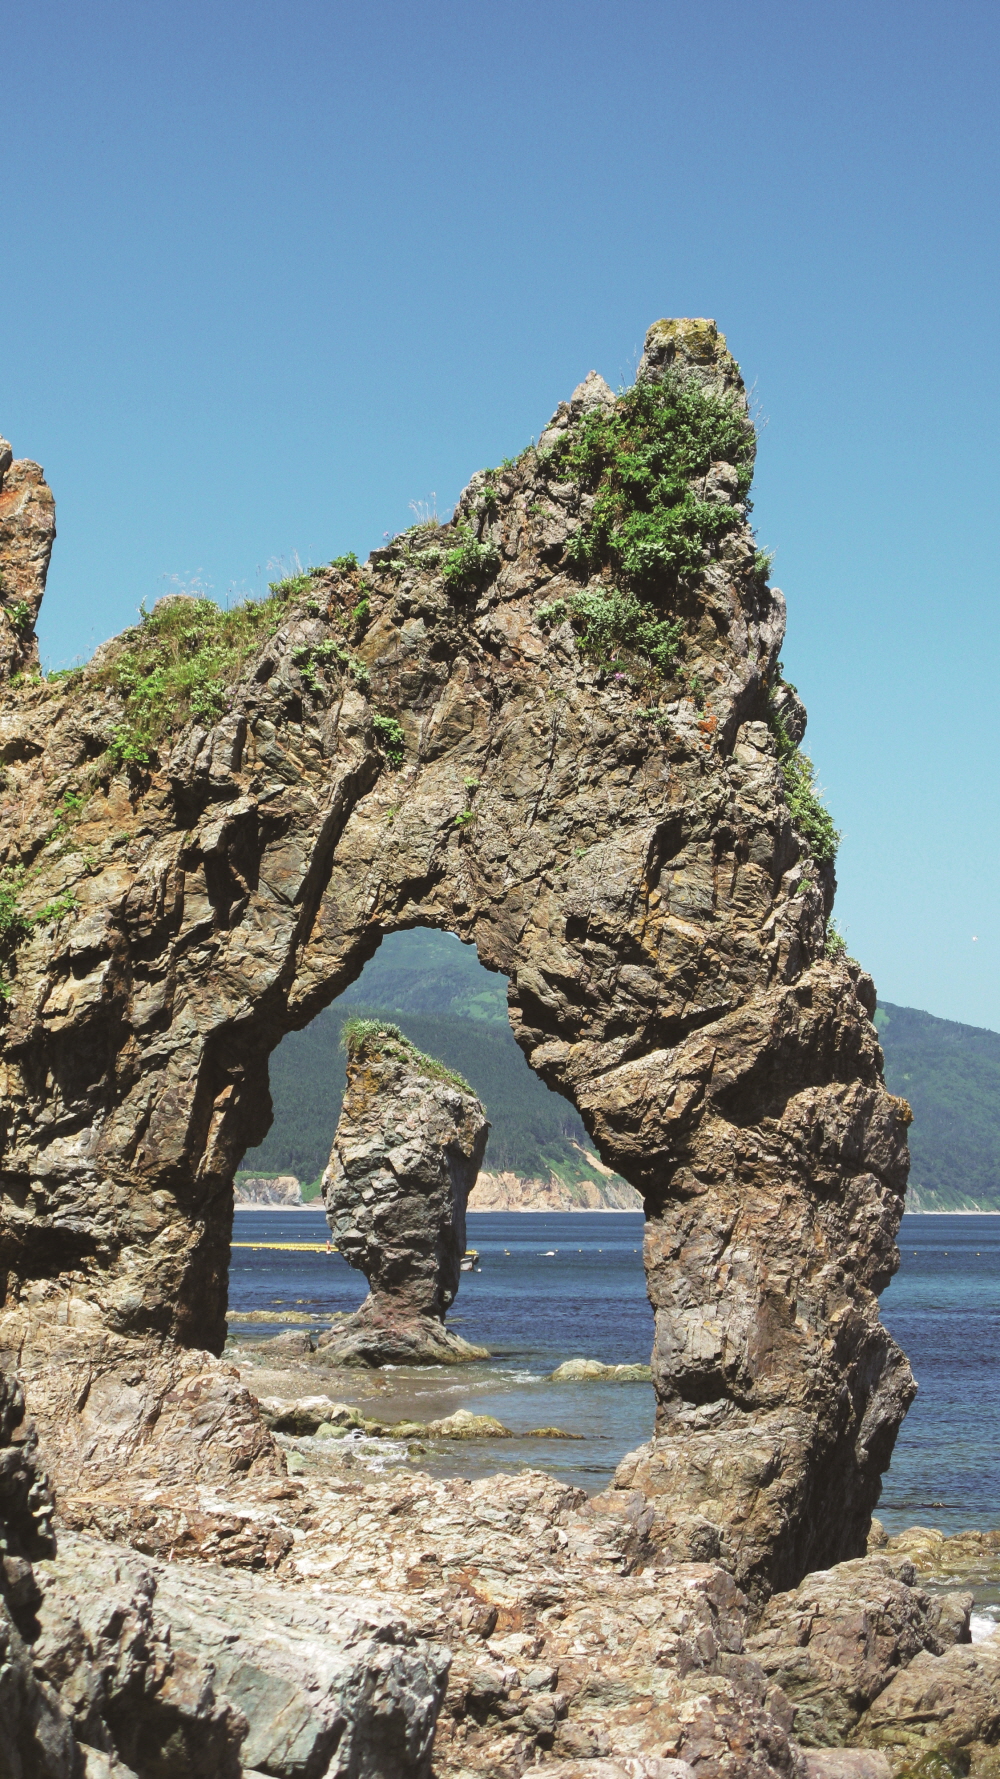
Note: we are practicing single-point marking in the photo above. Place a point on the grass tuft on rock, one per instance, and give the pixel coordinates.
(811, 819)
(640, 460)
(371, 1038)
(181, 662)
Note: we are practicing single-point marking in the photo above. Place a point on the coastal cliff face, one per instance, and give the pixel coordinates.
(557, 727)
(405, 1156)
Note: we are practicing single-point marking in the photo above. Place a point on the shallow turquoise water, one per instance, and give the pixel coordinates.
(553, 1286)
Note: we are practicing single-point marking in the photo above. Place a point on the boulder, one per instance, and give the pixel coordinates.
(834, 1643)
(583, 1370)
(946, 1705)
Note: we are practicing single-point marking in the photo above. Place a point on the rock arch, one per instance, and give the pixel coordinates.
(635, 874)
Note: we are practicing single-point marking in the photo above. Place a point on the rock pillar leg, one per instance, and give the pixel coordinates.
(779, 1392)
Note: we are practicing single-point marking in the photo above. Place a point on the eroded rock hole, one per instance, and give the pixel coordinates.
(557, 1285)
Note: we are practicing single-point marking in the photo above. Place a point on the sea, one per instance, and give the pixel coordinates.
(552, 1286)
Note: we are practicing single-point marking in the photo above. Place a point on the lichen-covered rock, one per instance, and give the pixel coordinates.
(548, 727)
(405, 1156)
(835, 1643)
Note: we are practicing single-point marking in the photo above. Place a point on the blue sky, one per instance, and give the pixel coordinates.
(269, 273)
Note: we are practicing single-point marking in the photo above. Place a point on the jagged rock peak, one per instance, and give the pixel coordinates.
(692, 348)
(406, 1153)
(593, 392)
(27, 532)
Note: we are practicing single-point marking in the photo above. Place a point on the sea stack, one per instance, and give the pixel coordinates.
(407, 1150)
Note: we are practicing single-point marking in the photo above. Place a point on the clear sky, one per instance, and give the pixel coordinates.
(270, 273)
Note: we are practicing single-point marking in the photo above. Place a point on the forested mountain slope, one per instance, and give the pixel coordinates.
(950, 1074)
(436, 990)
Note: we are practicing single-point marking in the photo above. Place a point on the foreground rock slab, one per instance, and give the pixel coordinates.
(231, 1672)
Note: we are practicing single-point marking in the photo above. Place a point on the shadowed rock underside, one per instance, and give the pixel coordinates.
(440, 737)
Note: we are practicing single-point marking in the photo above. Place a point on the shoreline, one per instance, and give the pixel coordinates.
(573, 1210)
(473, 1211)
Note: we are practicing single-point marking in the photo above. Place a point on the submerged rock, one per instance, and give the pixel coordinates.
(405, 1157)
(581, 1370)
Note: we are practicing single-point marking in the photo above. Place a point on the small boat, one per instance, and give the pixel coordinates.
(470, 1260)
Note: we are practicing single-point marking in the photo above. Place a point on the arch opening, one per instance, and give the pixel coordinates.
(553, 1284)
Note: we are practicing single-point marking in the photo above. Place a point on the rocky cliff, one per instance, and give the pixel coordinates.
(557, 726)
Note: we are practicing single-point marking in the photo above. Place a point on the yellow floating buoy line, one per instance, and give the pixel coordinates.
(293, 1247)
(317, 1248)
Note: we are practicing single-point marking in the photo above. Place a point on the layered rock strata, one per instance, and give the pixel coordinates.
(477, 730)
(408, 1146)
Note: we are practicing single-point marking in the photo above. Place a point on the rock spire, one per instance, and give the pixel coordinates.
(408, 1147)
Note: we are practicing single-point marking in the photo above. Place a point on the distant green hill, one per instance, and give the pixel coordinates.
(950, 1074)
(436, 990)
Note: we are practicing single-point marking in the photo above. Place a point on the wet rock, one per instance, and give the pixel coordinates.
(580, 1370)
(836, 1642)
(972, 1556)
(405, 1156)
(465, 1425)
(306, 1414)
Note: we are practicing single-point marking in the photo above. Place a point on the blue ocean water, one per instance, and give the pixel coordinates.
(553, 1286)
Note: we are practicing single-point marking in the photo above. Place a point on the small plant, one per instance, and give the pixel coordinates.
(55, 910)
(640, 460)
(291, 588)
(390, 738)
(344, 564)
(14, 926)
(471, 784)
(618, 630)
(489, 499)
(130, 749)
(472, 564)
(464, 817)
(369, 1038)
(810, 817)
(361, 613)
(19, 613)
(762, 565)
(836, 944)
